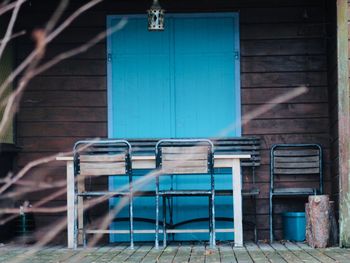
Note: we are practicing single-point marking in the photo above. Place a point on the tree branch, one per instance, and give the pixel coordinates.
(10, 26)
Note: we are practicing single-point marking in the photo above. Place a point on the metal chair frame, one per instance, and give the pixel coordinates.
(102, 143)
(164, 194)
(297, 191)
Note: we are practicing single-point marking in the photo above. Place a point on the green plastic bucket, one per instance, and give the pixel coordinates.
(294, 226)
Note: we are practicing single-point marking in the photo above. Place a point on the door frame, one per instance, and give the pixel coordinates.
(237, 84)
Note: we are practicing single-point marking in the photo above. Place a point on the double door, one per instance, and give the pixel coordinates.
(178, 83)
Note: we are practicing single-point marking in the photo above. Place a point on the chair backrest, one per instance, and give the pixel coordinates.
(297, 160)
(105, 157)
(185, 156)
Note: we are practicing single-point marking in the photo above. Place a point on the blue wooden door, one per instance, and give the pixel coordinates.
(181, 82)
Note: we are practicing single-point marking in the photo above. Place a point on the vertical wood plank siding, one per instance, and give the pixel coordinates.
(283, 46)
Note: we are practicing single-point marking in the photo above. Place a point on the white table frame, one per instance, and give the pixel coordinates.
(148, 162)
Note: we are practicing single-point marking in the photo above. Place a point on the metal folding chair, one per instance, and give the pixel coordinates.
(94, 159)
(294, 160)
(185, 156)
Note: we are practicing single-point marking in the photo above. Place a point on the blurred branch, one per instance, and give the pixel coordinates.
(81, 49)
(10, 26)
(26, 168)
(5, 7)
(14, 179)
(18, 34)
(49, 37)
(56, 15)
(42, 38)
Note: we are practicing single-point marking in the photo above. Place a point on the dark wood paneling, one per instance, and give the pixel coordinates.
(286, 126)
(62, 129)
(280, 50)
(248, 15)
(68, 83)
(289, 110)
(333, 90)
(50, 145)
(284, 79)
(273, 47)
(268, 140)
(26, 157)
(73, 67)
(96, 52)
(64, 114)
(281, 31)
(283, 64)
(261, 96)
(64, 99)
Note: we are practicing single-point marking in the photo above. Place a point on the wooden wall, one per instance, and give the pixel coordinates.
(283, 46)
(333, 97)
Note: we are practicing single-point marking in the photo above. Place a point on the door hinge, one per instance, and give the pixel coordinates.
(109, 57)
(236, 54)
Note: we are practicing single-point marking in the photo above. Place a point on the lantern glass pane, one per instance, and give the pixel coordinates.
(155, 19)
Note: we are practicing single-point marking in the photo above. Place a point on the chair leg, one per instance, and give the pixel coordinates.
(84, 238)
(210, 223)
(75, 238)
(213, 241)
(131, 216)
(255, 222)
(164, 222)
(171, 220)
(84, 219)
(271, 219)
(157, 213)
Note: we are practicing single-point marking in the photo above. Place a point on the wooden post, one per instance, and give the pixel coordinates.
(70, 204)
(343, 122)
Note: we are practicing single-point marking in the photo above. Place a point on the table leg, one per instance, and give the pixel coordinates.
(70, 204)
(237, 202)
(81, 189)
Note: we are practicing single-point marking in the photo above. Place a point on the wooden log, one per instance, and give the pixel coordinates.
(318, 223)
(308, 226)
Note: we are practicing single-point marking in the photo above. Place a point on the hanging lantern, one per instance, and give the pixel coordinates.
(155, 17)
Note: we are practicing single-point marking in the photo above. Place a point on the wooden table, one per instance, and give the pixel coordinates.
(148, 162)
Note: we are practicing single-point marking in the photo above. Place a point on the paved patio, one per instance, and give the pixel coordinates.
(261, 252)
